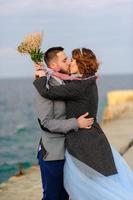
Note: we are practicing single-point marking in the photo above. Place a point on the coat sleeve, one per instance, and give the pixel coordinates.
(69, 91)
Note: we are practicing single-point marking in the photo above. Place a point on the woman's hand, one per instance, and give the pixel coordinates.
(39, 66)
(40, 73)
(39, 70)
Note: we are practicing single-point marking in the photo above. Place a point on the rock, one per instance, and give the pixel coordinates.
(119, 97)
(26, 187)
(120, 104)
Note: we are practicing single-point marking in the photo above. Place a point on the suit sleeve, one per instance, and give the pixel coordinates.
(63, 92)
(45, 112)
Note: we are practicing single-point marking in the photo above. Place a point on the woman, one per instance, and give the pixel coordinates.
(93, 170)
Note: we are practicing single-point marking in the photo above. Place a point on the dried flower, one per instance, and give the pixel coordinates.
(31, 45)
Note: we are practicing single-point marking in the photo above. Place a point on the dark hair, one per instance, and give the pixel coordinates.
(86, 61)
(51, 53)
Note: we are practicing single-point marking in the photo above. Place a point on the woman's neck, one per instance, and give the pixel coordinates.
(77, 75)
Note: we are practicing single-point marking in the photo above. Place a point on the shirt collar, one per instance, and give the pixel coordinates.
(58, 79)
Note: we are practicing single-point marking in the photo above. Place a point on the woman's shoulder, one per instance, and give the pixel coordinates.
(89, 80)
(84, 79)
(81, 83)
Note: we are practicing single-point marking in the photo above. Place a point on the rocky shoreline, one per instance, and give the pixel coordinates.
(118, 126)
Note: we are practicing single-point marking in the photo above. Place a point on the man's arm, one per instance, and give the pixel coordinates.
(45, 112)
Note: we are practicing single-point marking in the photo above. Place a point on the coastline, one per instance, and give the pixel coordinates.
(118, 129)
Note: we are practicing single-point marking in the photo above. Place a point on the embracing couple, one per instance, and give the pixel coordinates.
(76, 160)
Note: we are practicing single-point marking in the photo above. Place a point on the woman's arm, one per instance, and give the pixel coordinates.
(62, 92)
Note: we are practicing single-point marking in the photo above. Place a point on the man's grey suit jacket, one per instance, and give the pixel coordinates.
(52, 116)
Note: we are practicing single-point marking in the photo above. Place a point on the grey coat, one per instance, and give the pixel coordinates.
(52, 116)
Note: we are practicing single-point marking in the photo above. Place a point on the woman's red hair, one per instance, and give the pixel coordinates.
(86, 61)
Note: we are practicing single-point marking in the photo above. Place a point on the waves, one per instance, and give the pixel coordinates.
(21, 129)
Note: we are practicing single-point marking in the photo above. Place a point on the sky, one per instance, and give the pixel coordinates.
(105, 26)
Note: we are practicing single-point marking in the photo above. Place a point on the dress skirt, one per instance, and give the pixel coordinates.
(84, 183)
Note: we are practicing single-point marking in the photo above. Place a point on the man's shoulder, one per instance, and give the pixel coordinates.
(53, 81)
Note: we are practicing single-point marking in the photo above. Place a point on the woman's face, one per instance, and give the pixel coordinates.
(73, 67)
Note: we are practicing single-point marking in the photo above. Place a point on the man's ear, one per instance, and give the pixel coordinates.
(53, 65)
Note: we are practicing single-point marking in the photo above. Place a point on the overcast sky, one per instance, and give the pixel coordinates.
(105, 26)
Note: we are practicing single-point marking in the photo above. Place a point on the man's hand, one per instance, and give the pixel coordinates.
(85, 122)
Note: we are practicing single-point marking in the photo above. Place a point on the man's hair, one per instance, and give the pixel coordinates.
(51, 53)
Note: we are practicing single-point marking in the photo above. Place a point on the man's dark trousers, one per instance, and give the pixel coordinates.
(52, 179)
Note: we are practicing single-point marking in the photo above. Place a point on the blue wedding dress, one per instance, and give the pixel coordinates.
(84, 183)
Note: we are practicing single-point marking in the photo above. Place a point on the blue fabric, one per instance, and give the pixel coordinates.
(84, 183)
(52, 179)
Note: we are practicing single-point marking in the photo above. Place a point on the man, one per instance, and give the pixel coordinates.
(51, 116)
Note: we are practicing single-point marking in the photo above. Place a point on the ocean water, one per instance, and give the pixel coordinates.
(19, 129)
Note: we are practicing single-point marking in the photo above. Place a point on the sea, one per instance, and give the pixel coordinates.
(19, 129)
